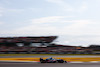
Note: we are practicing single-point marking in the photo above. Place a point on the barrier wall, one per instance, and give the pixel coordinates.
(25, 52)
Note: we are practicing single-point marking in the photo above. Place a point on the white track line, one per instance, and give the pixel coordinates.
(19, 61)
(86, 62)
(75, 62)
(94, 61)
(38, 61)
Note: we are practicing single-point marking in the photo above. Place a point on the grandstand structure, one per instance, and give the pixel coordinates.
(23, 44)
(37, 45)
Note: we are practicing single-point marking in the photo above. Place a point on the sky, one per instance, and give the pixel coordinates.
(75, 22)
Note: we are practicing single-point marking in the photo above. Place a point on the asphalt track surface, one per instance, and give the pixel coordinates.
(44, 56)
(2, 64)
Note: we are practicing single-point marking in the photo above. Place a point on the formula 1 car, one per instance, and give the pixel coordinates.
(51, 60)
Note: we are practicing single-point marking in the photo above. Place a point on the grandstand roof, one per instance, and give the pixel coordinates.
(38, 39)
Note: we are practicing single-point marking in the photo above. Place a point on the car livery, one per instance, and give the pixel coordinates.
(51, 60)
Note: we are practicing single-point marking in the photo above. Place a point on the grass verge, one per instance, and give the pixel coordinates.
(65, 58)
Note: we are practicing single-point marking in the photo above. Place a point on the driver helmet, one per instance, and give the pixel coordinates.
(50, 58)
